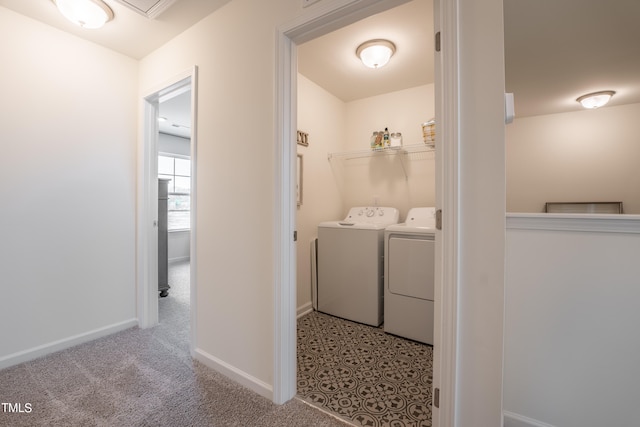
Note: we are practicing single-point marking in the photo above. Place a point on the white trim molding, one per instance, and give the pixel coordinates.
(147, 238)
(447, 199)
(235, 374)
(313, 22)
(603, 223)
(515, 420)
(304, 309)
(52, 347)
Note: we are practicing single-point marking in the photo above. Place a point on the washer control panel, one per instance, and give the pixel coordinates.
(373, 215)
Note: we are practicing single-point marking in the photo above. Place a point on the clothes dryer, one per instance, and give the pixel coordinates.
(409, 276)
(350, 264)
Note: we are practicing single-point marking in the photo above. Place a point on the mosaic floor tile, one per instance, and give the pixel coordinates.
(362, 374)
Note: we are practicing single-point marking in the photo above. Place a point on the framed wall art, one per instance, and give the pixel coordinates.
(299, 180)
(303, 138)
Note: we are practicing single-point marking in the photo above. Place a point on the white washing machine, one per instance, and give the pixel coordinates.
(409, 276)
(350, 264)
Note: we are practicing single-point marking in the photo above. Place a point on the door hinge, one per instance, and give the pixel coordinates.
(438, 41)
(439, 219)
(295, 235)
(436, 397)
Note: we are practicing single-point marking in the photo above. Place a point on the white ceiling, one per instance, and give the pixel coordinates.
(555, 50)
(129, 33)
(177, 112)
(331, 62)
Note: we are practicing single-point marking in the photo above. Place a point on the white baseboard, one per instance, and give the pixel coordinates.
(235, 374)
(515, 420)
(305, 309)
(43, 350)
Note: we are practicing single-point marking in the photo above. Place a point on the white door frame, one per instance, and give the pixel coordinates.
(312, 23)
(147, 236)
(447, 196)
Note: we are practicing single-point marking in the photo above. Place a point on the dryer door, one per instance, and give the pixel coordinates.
(411, 267)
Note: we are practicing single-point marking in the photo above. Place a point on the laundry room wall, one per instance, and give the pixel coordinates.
(401, 181)
(323, 117)
(330, 187)
(400, 111)
(583, 156)
(179, 242)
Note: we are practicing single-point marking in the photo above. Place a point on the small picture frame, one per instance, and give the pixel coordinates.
(303, 138)
(299, 180)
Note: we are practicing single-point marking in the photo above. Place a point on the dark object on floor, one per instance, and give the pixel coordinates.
(163, 237)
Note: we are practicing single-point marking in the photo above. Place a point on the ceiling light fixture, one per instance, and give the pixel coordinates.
(596, 99)
(375, 53)
(85, 13)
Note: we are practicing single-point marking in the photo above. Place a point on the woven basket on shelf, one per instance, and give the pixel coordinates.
(429, 132)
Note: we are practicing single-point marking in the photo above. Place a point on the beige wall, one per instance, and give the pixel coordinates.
(323, 117)
(480, 227)
(402, 182)
(571, 321)
(401, 111)
(234, 49)
(68, 136)
(590, 155)
(332, 187)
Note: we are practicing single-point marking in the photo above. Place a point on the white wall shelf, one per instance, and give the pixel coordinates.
(405, 152)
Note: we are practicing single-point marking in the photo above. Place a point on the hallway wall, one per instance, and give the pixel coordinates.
(582, 156)
(68, 189)
(571, 320)
(234, 49)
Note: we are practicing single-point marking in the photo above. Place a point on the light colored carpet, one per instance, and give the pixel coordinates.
(141, 377)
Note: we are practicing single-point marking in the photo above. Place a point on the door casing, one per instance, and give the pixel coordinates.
(312, 23)
(147, 238)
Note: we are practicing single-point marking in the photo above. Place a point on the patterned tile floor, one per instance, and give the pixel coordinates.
(362, 374)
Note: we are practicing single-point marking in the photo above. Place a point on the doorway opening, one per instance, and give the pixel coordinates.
(174, 173)
(166, 237)
(302, 241)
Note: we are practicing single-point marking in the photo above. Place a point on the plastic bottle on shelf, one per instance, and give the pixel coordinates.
(386, 142)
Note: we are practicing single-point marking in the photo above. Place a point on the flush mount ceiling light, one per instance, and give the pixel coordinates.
(596, 99)
(85, 13)
(375, 53)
